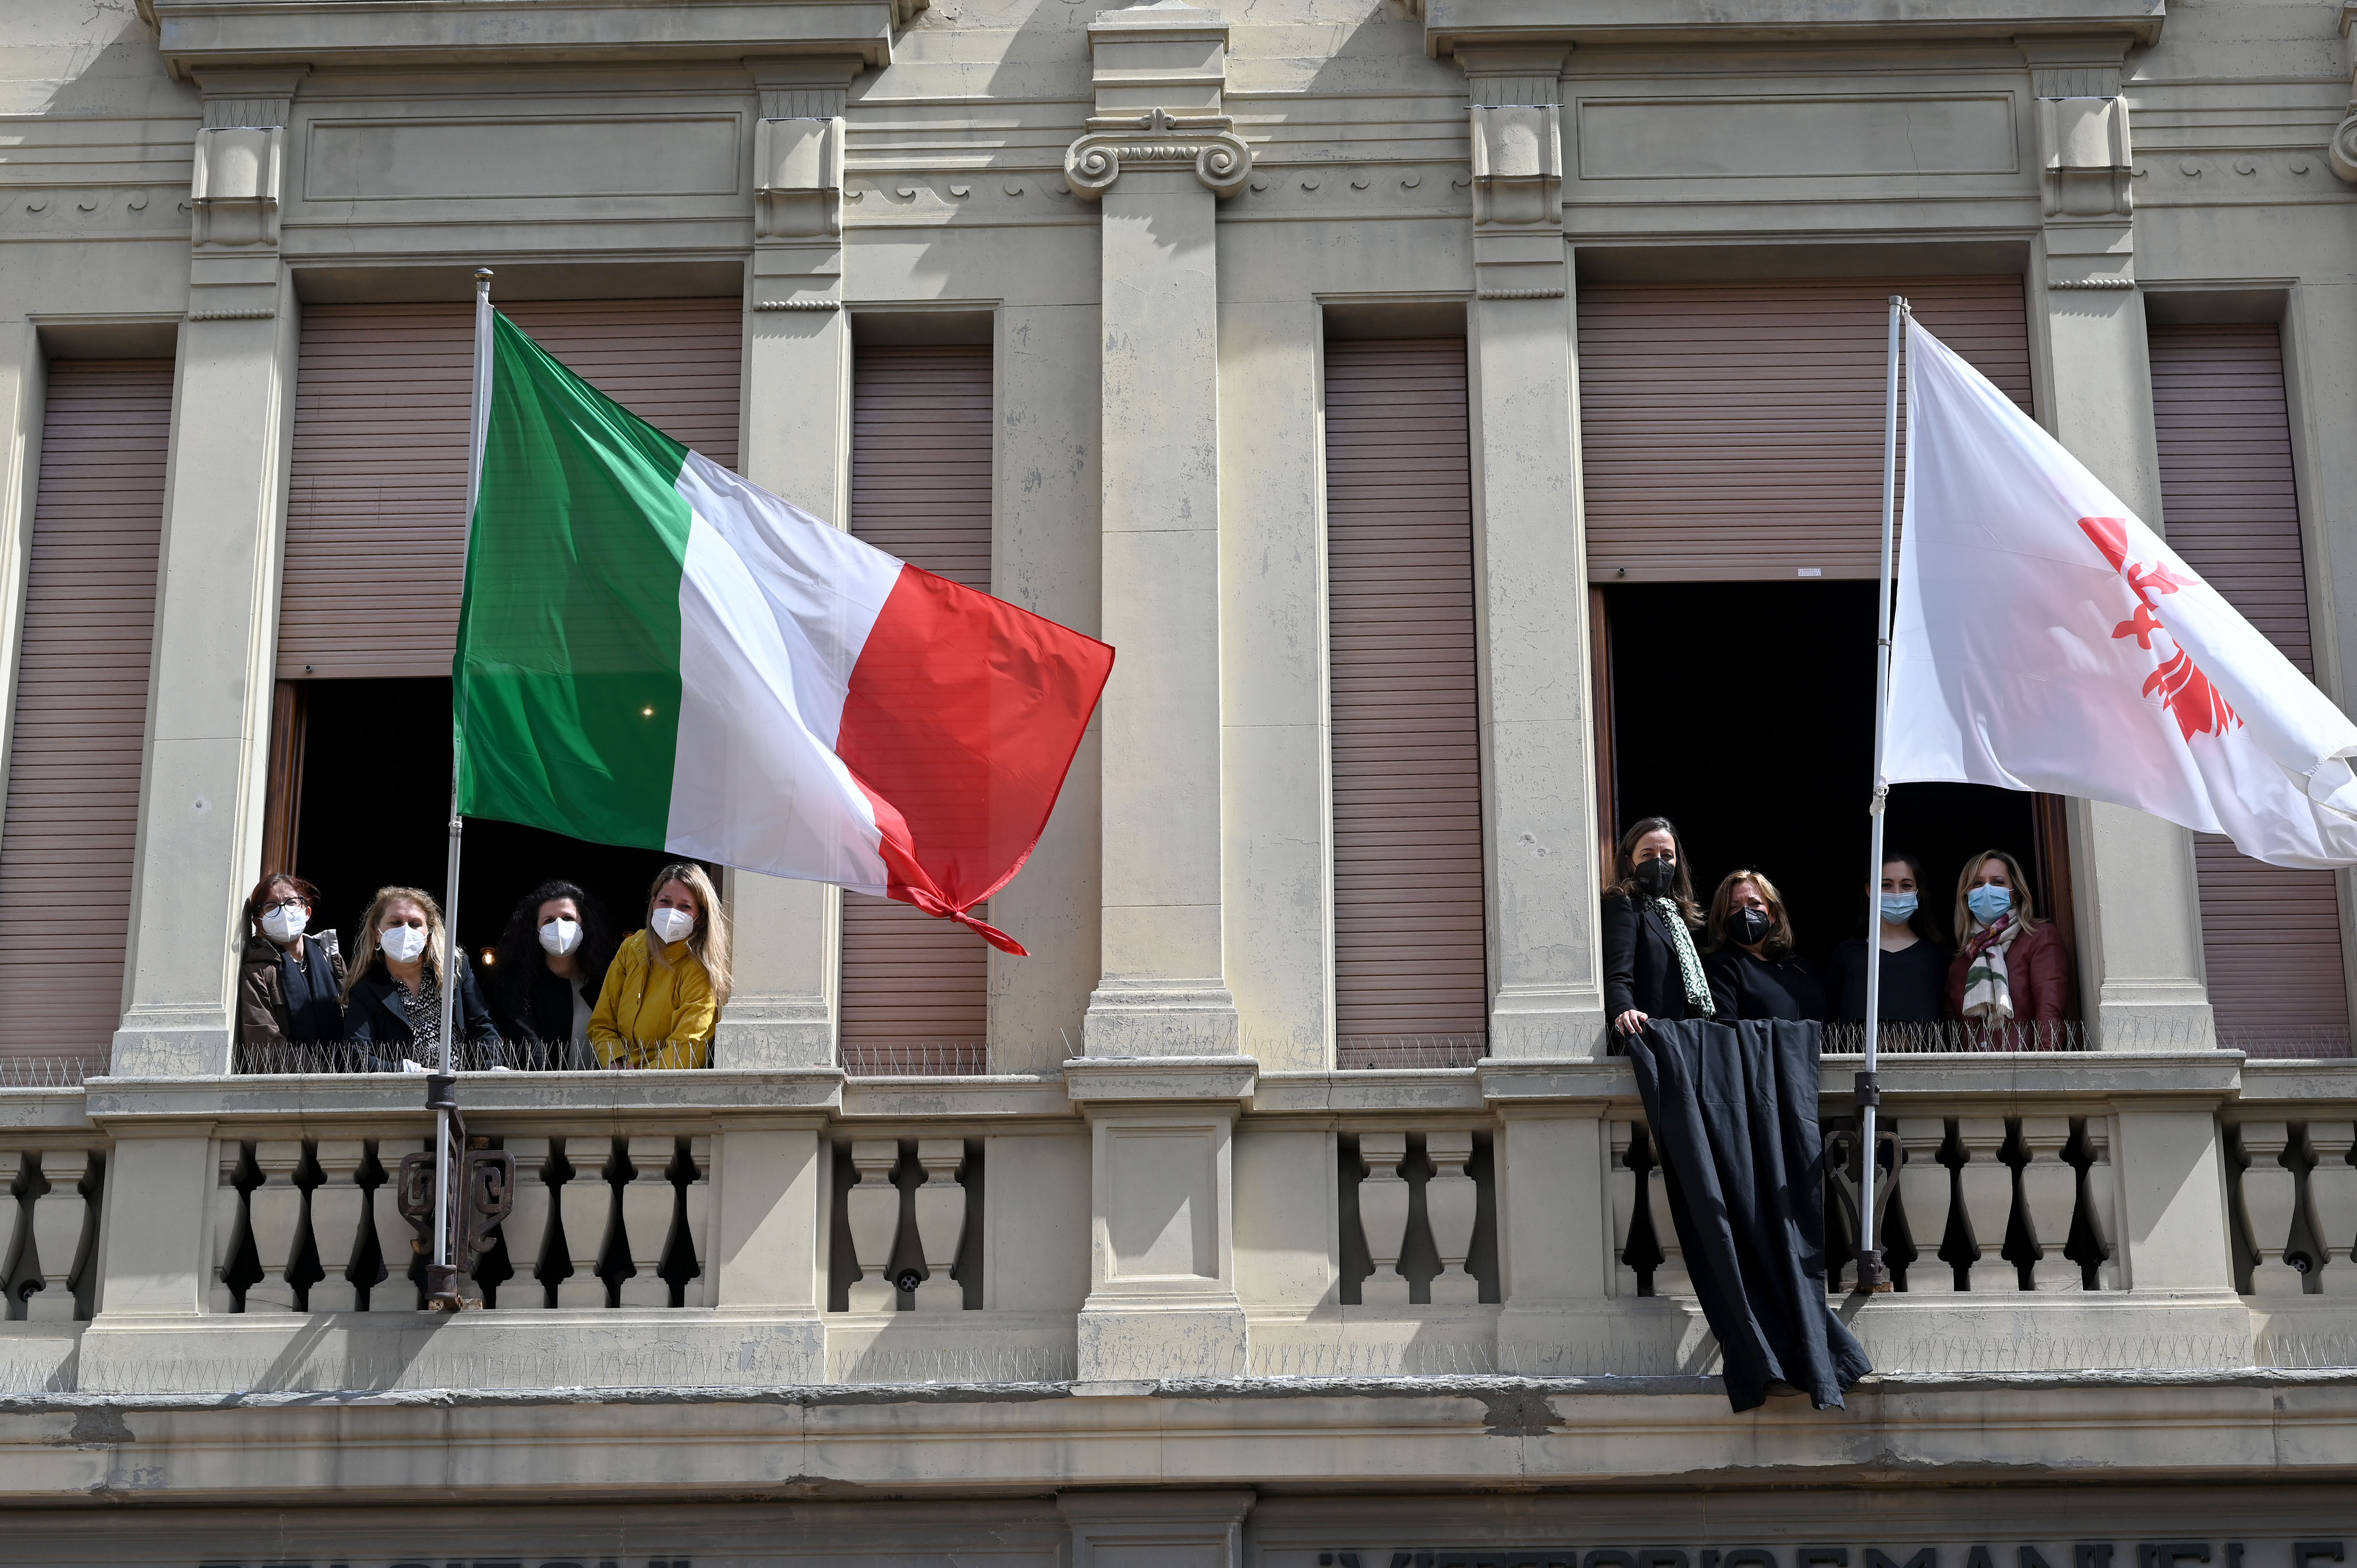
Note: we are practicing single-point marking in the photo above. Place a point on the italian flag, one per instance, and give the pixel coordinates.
(654, 652)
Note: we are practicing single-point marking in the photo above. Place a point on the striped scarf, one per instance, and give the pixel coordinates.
(1698, 984)
(1988, 997)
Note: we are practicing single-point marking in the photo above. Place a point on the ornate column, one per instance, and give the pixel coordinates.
(217, 610)
(796, 442)
(2140, 938)
(1545, 965)
(1158, 155)
(2343, 151)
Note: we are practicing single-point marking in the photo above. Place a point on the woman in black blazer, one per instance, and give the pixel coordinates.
(1651, 967)
(392, 997)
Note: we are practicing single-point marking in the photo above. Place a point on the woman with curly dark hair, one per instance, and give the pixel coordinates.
(552, 963)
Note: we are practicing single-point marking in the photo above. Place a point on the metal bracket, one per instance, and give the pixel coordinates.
(481, 1188)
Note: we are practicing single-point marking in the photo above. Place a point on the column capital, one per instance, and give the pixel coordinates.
(2343, 151)
(1218, 157)
(240, 161)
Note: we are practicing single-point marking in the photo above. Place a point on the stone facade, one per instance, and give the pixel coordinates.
(1217, 1300)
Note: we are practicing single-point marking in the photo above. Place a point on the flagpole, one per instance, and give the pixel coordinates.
(1869, 1084)
(442, 1272)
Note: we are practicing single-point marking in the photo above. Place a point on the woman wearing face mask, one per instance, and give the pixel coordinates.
(1754, 972)
(668, 982)
(392, 1001)
(1907, 943)
(552, 968)
(290, 979)
(2010, 970)
(1651, 967)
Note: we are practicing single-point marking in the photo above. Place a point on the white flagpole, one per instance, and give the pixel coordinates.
(441, 1283)
(1869, 1085)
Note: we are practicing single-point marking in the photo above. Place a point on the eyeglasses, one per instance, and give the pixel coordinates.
(287, 904)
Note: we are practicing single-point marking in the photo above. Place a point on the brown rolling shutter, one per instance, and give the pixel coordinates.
(80, 717)
(915, 997)
(375, 542)
(1734, 431)
(2272, 935)
(1410, 980)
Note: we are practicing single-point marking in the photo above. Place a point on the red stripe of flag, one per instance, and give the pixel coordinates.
(961, 723)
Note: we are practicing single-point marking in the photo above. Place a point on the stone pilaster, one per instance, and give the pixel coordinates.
(217, 610)
(1158, 155)
(2140, 965)
(1546, 966)
(796, 442)
(2343, 151)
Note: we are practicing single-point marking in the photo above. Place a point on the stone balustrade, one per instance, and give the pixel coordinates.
(2091, 1209)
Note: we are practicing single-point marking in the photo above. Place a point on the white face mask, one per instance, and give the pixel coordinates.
(284, 925)
(560, 935)
(402, 943)
(672, 925)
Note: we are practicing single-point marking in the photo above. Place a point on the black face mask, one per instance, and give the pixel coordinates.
(1746, 926)
(1656, 877)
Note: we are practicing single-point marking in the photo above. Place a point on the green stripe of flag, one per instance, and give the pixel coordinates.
(567, 667)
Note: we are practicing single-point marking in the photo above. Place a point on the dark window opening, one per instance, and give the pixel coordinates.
(375, 812)
(1744, 713)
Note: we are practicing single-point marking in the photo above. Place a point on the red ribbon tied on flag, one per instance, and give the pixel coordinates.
(2197, 705)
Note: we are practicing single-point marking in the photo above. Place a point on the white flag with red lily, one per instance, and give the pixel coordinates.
(2047, 640)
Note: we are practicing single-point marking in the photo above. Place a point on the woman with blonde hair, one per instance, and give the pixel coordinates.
(2008, 967)
(668, 982)
(392, 999)
(1754, 972)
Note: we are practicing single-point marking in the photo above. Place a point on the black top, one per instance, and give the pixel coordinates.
(314, 1011)
(546, 1016)
(382, 1019)
(1912, 979)
(1640, 962)
(1747, 987)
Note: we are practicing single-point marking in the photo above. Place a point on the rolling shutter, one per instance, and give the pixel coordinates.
(80, 715)
(915, 995)
(2271, 935)
(1733, 432)
(375, 538)
(1410, 979)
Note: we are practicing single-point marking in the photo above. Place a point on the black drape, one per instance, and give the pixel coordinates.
(1733, 1111)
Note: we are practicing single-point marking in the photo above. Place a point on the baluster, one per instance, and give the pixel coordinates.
(2332, 1205)
(1669, 1276)
(1451, 1200)
(586, 1201)
(941, 1223)
(698, 1196)
(1624, 1208)
(873, 1208)
(228, 1209)
(647, 1202)
(1986, 1187)
(1382, 1217)
(397, 1240)
(58, 1215)
(1924, 1193)
(525, 1228)
(2270, 1197)
(2049, 1191)
(275, 1212)
(336, 1221)
(12, 1212)
(2095, 1193)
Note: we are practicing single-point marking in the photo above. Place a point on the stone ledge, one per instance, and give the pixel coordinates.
(120, 1101)
(1450, 24)
(1092, 1078)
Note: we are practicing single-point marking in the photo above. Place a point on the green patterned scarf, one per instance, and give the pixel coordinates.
(1698, 998)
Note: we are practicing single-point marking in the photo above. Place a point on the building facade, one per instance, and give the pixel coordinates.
(1464, 418)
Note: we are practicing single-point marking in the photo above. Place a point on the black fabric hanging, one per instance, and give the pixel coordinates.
(1733, 1112)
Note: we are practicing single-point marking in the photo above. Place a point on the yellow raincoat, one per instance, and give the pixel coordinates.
(656, 1009)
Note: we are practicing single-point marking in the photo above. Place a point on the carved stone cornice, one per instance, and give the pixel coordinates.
(1219, 159)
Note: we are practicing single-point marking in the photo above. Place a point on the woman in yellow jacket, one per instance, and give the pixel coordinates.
(668, 982)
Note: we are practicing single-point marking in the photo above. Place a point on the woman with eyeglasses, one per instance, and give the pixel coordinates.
(393, 1002)
(290, 978)
(551, 968)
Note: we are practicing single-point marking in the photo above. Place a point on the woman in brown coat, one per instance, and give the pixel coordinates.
(2009, 969)
(290, 979)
